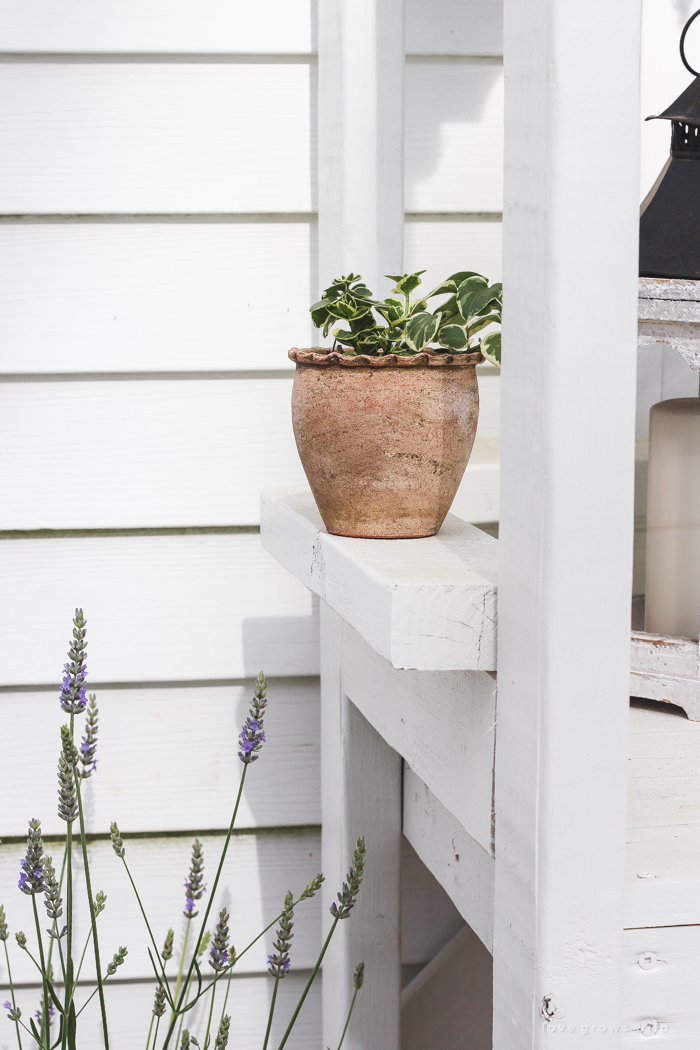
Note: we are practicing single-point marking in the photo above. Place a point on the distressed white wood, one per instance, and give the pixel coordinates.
(173, 452)
(456, 116)
(184, 755)
(215, 26)
(567, 506)
(361, 139)
(669, 312)
(455, 759)
(662, 886)
(453, 27)
(361, 795)
(445, 244)
(154, 296)
(164, 452)
(665, 668)
(260, 868)
(129, 1008)
(159, 609)
(661, 968)
(155, 137)
(429, 919)
(460, 864)
(428, 604)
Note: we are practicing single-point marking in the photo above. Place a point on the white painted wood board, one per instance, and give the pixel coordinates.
(445, 244)
(129, 1006)
(664, 769)
(167, 759)
(454, 135)
(154, 295)
(157, 27)
(271, 27)
(661, 970)
(86, 137)
(454, 758)
(429, 919)
(361, 796)
(175, 452)
(260, 868)
(453, 27)
(159, 608)
(427, 604)
(460, 864)
(169, 296)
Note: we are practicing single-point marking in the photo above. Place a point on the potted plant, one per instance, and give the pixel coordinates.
(385, 420)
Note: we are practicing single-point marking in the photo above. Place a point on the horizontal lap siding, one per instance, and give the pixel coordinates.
(157, 187)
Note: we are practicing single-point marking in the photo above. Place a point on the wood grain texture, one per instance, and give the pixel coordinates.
(174, 452)
(455, 763)
(168, 759)
(129, 1014)
(155, 137)
(153, 296)
(428, 604)
(165, 452)
(660, 973)
(259, 869)
(159, 608)
(156, 27)
(462, 866)
(452, 27)
(456, 110)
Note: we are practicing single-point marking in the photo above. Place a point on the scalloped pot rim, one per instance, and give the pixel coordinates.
(322, 356)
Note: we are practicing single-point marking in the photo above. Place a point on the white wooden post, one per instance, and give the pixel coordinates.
(570, 274)
(361, 795)
(360, 138)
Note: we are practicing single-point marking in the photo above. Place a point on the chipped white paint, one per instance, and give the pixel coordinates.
(427, 604)
(667, 669)
(669, 312)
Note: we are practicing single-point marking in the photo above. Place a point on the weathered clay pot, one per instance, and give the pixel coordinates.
(384, 441)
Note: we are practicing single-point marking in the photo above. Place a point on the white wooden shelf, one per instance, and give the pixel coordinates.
(426, 604)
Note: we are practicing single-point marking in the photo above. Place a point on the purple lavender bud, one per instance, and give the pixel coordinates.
(194, 886)
(52, 898)
(278, 964)
(219, 954)
(67, 761)
(88, 747)
(4, 932)
(347, 897)
(13, 1012)
(72, 698)
(252, 735)
(31, 879)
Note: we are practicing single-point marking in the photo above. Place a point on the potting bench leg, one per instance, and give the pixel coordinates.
(361, 795)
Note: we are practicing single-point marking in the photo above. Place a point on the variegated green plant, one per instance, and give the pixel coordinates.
(469, 305)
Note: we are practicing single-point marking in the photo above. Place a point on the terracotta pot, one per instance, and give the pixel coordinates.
(384, 441)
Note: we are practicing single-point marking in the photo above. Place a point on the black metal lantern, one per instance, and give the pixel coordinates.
(669, 225)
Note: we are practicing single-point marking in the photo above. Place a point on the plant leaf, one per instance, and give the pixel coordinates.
(452, 283)
(405, 283)
(453, 335)
(421, 329)
(478, 323)
(491, 348)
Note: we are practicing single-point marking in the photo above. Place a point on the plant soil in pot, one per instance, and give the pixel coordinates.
(385, 424)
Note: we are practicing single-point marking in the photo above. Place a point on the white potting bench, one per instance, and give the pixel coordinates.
(521, 813)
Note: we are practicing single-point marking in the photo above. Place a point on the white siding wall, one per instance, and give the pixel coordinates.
(157, 258)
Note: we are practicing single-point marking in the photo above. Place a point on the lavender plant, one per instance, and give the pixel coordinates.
(176, 996)
(468, 306)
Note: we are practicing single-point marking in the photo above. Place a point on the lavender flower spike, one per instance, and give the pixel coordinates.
(278, 964)
(222, 1038)
(252, 735)
(72, 698)
(88, 747)
(52, 890)
(159, 1001)
(67, 761)
(117, 842)
(348, 895)
(4, 932)
(194, 887)
(219, 955)
(31, 879)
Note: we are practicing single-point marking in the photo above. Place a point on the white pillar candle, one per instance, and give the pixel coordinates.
(673, 519)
